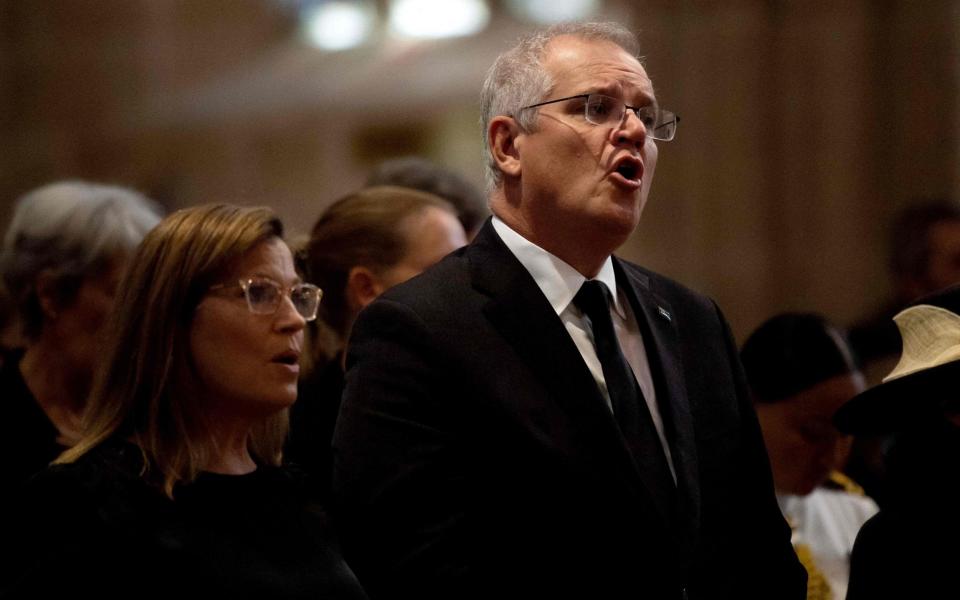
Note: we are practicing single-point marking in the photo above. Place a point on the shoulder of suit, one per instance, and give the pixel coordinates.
(444, 284)
(670, 289)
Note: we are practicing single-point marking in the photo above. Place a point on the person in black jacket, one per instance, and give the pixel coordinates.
(909, 550)
(504, 434)
(62, 257)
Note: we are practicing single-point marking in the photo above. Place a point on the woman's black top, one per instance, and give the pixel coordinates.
(96, 527)
(312, 420)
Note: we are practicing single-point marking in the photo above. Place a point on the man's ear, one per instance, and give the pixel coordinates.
(363, 286)
(502, 137)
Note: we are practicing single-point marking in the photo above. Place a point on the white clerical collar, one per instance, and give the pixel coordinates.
(558, 281)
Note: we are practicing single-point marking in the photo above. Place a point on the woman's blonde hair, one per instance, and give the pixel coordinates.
(365, 228)
(141, 391)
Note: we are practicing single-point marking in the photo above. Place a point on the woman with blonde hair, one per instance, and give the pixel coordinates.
(176, 484)
(364, 244)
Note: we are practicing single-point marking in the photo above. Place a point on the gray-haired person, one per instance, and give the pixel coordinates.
(62, 258)
(533, 417)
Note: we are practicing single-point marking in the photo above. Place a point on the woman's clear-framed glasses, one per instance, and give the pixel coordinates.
(264, 296)
(600, 109)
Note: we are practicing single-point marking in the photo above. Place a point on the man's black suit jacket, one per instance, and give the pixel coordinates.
(475, 456)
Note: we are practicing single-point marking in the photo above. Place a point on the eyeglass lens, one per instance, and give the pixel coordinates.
(601, 110)
(305, 298)
(264, 297)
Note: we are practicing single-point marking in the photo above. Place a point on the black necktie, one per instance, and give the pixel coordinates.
(629, 407)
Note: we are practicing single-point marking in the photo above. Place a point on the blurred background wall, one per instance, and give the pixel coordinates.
(806, 124)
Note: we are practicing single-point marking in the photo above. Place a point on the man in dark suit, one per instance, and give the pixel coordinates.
(501, 436)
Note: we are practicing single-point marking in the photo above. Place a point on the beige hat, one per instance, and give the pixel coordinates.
(927, 376)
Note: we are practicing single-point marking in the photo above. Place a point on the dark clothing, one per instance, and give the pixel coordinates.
(96, 528)
(312, 419)
(28, 440)
(909, 549)
(476, 457)
(876, 344)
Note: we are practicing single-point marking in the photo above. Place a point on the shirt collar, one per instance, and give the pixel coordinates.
(558, 281)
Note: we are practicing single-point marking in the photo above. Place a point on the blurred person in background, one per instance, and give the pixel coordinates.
(924, 257)
(9, 329)
(175, 486)
(63, 254)
(909, 549)
(425, 175)
(800, 370)
(362, 245)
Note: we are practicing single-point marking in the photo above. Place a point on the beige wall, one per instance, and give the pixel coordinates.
(806, 125)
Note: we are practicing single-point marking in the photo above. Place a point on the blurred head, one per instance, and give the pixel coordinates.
(427, 176)
(800, 370)
(573, 187)
(185, 350)
(921, 389)
(925, 249)
(372, 240)
(63, 255)
(8, 334)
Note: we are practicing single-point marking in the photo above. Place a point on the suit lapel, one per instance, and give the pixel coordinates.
(520, 312)
(657, 322)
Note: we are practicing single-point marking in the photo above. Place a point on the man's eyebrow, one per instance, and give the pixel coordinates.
(615, 90)
(607, 89)
(647, 99)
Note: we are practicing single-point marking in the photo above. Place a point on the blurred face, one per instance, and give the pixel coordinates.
(801, 440)
(943, 268)
(246, 364)
(78, 326)
(429, 237)
(582, 178)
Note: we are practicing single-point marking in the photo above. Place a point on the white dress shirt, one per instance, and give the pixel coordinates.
(827, 521)
(560, 282)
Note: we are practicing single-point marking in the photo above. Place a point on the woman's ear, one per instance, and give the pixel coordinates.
(47, 296)
(363, 286)
(502, 137)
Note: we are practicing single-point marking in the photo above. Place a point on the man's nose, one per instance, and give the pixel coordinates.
(631, 130)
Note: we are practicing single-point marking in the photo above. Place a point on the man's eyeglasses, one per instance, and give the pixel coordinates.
(605, 110)
(265, 295)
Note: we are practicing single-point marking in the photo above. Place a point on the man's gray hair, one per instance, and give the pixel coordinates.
(517, 78)
(71, 230)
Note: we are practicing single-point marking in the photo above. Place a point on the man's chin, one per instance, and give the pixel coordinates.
(624, 220)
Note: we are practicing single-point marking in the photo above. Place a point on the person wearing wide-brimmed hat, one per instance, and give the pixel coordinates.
(909, 549)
